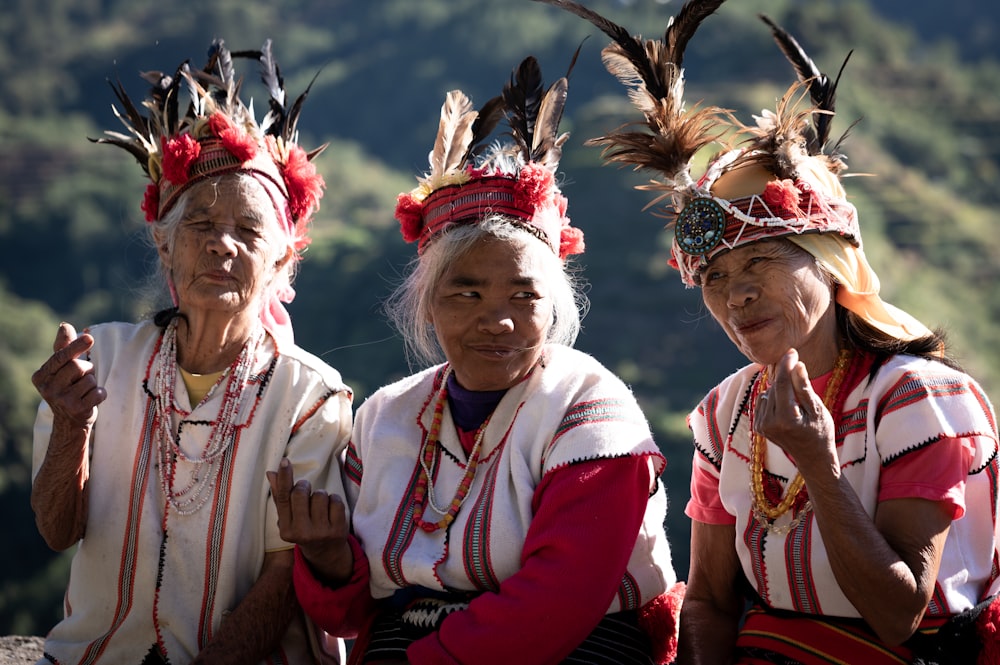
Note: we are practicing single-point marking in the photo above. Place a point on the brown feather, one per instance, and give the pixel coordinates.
(651, 72)
(546, 147)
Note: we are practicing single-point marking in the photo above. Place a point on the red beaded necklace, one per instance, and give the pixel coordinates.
(424, 491)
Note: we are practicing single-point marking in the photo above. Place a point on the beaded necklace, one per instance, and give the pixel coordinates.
(423, 493)
(189, 499)
(763, 510)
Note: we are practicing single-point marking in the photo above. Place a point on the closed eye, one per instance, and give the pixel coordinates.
(709, 276)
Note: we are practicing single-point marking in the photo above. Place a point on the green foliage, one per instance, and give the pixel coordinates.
(30, 594)
(72, 239)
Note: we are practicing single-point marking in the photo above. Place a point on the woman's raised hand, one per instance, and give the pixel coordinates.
(67, 382)
(316, 521)
(794, 417)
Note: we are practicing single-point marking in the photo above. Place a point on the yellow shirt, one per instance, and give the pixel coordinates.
(198, 385)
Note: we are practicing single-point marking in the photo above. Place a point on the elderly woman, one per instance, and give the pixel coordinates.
(505, 505)
(153, 439)
(844, 484)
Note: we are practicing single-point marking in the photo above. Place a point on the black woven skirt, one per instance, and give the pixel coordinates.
(617, 639)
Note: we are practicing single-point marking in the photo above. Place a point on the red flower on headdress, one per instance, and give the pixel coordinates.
(782, 196)
(409, 213)
(236, 141)
(305, 185)
(179, 153)
(534, 187)
(570, 241)
(151, 202)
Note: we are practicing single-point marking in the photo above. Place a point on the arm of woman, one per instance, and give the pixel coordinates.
(886, 566)
(70, 392)
(331, 573)
(258, 623)
(713, 604)
(587, 517)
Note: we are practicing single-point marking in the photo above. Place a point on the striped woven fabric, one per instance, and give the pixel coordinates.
(797, 639)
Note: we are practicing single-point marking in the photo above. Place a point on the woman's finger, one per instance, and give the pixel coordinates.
(281, 484)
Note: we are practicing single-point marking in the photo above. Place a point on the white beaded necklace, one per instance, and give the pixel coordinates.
(196, 493)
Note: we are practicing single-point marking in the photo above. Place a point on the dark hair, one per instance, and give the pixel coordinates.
(860, 334)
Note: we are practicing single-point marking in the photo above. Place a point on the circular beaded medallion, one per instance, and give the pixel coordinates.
(700, 226)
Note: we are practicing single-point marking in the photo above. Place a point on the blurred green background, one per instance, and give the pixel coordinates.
(923, 80)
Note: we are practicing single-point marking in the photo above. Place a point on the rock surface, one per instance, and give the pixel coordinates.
(18, 650)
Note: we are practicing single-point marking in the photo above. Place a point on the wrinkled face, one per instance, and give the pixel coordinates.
(491, 311)
(227, 248)
(769, 296)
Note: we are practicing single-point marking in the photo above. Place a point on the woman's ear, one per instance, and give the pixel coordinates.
(283, 260)
(162, 248)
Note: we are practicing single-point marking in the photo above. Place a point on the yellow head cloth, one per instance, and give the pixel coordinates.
(859, 285)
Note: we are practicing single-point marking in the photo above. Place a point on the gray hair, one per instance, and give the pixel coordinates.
(408, 307)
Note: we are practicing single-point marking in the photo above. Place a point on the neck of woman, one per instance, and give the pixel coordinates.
(471, 408)
(211, 343)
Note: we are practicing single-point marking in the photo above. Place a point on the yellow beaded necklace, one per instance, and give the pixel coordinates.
(763, 510)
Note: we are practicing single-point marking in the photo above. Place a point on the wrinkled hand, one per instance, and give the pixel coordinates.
(315, 521)
(67, 382)
(793, 416)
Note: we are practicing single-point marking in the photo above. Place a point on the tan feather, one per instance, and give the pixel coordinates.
(454, 134)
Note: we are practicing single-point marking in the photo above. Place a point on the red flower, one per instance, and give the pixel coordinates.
(179, 153)
(235, 140)
(151, 202)
(570, 241)
(782, 196)
(534, 187)
(305, 185)
(409, 213)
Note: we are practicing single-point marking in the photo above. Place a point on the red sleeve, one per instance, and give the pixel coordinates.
(587, 518)
(936, 472)
(705, 504)
(341, 611)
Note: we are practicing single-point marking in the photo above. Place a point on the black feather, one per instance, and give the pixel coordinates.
(137, 151)
(171, 99)
(292, 117)
(218, 73)
(522, 97)
(632, 47)
(822, 90)
(682, 27)
(679, 31)
(270, 74)
(490, 115)
(137, 119)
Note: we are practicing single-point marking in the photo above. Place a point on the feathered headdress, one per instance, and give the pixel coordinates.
(465, 182)
(218, 134)
(804, 194)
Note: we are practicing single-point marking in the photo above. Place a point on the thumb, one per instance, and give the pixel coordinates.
(65, 335)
